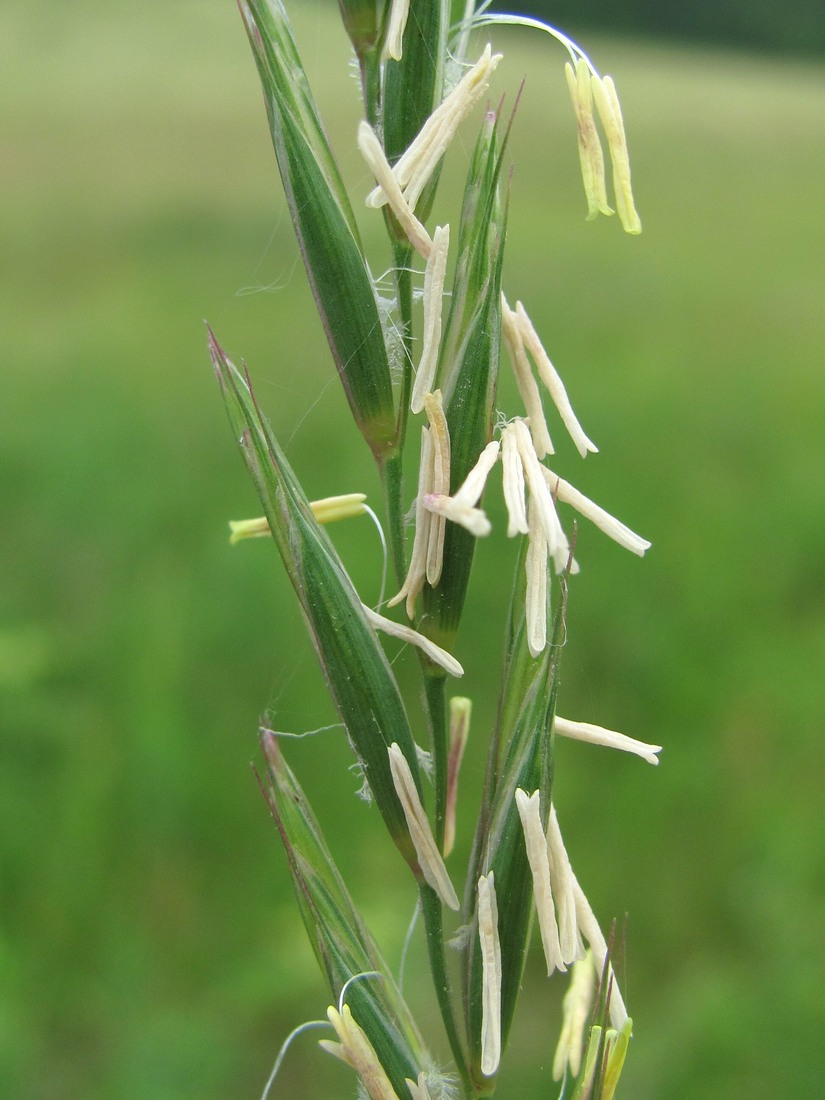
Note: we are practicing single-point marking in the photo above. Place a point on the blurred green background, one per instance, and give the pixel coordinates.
(793, 27)
(149, 946)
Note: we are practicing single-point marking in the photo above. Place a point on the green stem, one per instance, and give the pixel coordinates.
(392, 481)
(434, 928)
(371, 87)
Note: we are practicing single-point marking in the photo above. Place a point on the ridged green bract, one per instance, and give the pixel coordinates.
(324, 224)
(409, 92)
(468, 367)
(413, 86)
(338, 935)
(520, 756)
(354, 664)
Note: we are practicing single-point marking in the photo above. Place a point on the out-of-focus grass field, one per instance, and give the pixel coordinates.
(149, 945)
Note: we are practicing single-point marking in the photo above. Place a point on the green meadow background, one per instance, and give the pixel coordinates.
(149, 946)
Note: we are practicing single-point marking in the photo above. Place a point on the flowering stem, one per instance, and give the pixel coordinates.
(434, 928)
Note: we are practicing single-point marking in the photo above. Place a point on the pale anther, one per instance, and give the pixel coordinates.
(589, 928)
(471, 488)
(536, 595)
(535, 843)
(357, 1051)
(526, 383)
(461, 506)
(598, 735)
(591, 157)
(436, 654)
(414, 169)
(440, 435)
(399, 11)
(434, 275)
(513, 483)
(539, 491)
(333, 509)
(490, 975)
(429, 857)
(326, 510)
(373, 154)
(416, 574)
(610, 113)
(555, 387)
(418, 1089)
(248, 529)
(473, 519)
(562, 878)
(460, 711)
(562, 490)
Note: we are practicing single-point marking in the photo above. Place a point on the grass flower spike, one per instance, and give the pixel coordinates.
(423, 390)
